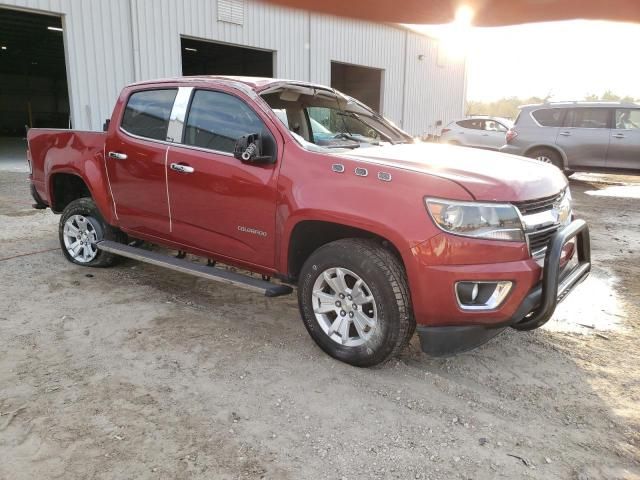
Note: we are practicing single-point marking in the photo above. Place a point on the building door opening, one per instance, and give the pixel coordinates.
(361, 83)
(201, 57)
(33, 73)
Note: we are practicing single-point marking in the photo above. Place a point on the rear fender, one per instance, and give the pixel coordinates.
(87, 164)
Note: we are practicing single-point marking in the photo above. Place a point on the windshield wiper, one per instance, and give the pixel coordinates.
(348, 136)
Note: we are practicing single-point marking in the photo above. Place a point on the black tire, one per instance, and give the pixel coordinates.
(87, 208)
(384, 276)
(551, 156)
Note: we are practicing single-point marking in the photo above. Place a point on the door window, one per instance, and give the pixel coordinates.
(472, 124)
(588, 118)
(627, 119)
(493, 126)
(147, 113)
(548, 117)
(216, 120)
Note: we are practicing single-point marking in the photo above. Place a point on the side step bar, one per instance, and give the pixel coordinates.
(210, 273)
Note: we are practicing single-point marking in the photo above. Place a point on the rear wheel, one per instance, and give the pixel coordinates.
(354, 301)
(546, 155)
(81, 228)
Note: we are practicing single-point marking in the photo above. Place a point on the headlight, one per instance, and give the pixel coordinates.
(564, 208)
(494, 221)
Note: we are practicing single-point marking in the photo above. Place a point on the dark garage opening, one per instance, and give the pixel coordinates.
(33, 74)
(362, 83)
(210, 58)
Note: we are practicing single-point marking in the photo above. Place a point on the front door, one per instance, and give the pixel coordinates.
(585, 137)
(218, 203)
(135, 156)
(624, 148)
(494, 134)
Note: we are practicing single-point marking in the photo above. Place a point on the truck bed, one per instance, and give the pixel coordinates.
(52, 150)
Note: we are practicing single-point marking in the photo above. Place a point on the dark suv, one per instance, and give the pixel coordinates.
(578, 135)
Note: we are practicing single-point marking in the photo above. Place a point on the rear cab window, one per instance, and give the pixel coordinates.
(549, 117)
(147, 113)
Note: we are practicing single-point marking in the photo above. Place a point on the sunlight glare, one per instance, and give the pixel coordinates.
(455, 37)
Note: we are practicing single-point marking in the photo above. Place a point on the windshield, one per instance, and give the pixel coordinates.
(328, 119)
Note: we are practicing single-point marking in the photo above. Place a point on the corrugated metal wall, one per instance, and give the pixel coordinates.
(434, 91)
(110, 44)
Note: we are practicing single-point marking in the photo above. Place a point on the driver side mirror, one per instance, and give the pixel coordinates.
(248, 148)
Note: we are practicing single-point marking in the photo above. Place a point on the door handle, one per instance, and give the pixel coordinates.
(565, 134)
(618, 135)
(118, 156)
(182, 168)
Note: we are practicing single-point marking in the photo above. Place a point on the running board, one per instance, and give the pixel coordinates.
(184, 266)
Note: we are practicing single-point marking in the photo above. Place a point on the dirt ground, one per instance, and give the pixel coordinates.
(135, 372)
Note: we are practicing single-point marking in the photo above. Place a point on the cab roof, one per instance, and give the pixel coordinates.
(257, 84)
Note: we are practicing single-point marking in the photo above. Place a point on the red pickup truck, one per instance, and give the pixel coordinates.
(297, 182)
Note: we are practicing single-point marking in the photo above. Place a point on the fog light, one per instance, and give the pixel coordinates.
(481, 295)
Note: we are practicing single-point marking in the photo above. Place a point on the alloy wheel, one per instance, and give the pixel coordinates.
(344, 307)
(80, 237)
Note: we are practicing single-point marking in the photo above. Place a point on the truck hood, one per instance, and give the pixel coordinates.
(486, 175)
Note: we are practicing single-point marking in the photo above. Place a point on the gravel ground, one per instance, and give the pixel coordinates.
(137, 372)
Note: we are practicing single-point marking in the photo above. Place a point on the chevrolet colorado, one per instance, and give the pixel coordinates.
(298, 182)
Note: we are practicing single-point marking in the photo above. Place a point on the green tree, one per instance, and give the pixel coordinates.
(508, 107)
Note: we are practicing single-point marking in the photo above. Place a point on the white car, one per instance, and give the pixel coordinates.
(478, 131)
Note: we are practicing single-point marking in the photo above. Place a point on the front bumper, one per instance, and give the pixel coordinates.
(534, 311)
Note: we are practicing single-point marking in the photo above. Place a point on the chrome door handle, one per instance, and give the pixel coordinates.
(118, 156)
(618, 135)
(182, 168)
(565, 134)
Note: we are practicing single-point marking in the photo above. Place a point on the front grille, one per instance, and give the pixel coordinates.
(539, 240)
(529, 207)
(539, 230)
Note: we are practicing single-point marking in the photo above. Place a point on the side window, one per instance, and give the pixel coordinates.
(472, 124)
(216, 120)
(147, 113)
(588, 118)
(493, 126)
(627, 119)
(549, 117)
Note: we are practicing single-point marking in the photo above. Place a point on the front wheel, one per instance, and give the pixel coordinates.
(81, 228)
(354, 301)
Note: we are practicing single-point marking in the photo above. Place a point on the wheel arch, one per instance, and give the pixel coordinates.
(64, 188)
(554, 148)
(307, 235)
(66, 185)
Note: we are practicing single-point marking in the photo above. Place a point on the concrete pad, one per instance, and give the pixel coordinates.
(13, 154)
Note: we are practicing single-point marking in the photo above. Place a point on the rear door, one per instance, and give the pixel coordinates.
(220, 204)
(624, 147)
(584, 136)
(135, 156)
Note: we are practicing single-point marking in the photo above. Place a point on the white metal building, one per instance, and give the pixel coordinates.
(108, 44)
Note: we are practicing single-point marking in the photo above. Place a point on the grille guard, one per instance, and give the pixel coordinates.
(539, 305)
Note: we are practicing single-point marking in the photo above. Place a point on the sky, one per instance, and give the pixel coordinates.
(566, 60)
